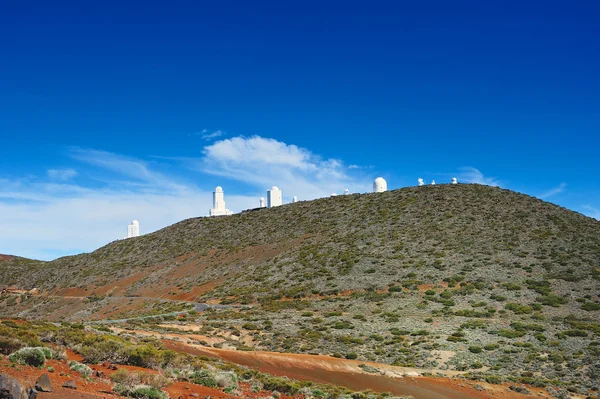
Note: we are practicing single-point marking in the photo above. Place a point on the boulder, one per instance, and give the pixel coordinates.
(70, 384)
(99, 374)
(42, 384)
(13, 389)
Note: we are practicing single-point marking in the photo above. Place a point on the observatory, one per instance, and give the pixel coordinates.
(379, 185)
(261, 203)
(421, 182)
(454, 180)
(346, 192)
(274, 197)
(433, 182)
(295, 199)
(133, 229)
(219, 203)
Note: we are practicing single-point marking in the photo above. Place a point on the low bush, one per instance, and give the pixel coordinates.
(80, 368)
(35, 357)
(140, 391)
(205, 378)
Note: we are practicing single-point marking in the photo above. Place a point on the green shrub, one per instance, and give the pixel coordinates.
(227, 379)
(351, 356)
(475, 349)
(35, 357)
(518, 309)
(203, 377)
(108, 350)
(9, 345)
(493, 379)
(552, 300)
(80, 368)
(589, 306)
(140, 392)
(491, 347)
(511, 333)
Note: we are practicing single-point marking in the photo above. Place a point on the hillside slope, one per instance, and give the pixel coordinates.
(464, 277)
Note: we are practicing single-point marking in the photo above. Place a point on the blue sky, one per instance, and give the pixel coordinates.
(111, 111)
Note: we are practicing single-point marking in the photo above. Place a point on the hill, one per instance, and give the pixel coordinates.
(462, 277)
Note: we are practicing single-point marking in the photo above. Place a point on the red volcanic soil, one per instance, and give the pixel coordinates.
(5, 257)
(96, 388)
(334, 371)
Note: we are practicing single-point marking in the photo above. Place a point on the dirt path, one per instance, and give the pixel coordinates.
(346, 373)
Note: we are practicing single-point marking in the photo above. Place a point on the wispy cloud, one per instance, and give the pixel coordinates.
(61, 174)
(554, 191)
(206, 135)
(591, 211)
(127, 167)
(473, 175)
(213, 135)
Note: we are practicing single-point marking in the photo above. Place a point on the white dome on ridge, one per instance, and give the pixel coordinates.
(379, 185)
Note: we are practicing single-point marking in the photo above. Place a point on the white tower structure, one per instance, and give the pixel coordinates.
(433, 182)
(133, 229)
(219, 203)
(346, 192)
(454, 180)
(274, 197)
(261, 203)
(379, 185)
(295, 199)
(421, 182)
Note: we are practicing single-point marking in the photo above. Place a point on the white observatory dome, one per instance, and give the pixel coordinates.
(274, 188)
(219, 189)
(135, 222)
(379, 185)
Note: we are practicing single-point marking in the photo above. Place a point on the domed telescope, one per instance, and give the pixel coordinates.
(379, 185)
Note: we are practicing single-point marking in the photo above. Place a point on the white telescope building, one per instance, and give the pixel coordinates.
(133, 229)
(274, 197)
(219, 203)
(379, 185)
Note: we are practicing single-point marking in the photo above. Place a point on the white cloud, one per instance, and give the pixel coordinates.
(265, 162)
(473, 175)
(554, 191)
(61, 174)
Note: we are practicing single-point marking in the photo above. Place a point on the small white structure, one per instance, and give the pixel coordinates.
(379, 185)
(346, 192)
(295, 199)
(274, 197)
(421, 182)
(133, 229)
(454, 180)
(261, 203)
(333, 194)
(433, 182)
(219, 203)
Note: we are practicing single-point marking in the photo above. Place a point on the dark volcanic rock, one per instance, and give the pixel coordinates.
(70, 384)
(13, 389)
(42, 384)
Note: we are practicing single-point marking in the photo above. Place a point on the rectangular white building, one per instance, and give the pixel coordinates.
(133, 229)
(274, 197)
